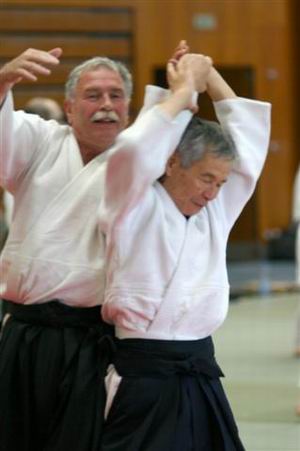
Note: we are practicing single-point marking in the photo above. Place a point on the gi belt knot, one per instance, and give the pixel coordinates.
(195, 366)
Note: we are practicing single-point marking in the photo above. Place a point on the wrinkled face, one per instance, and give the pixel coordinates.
(192, 188)
(98, 110)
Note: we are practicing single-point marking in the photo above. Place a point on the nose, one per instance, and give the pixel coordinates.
(106, 103)
(210, 193)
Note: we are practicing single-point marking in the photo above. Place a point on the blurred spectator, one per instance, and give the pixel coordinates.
(296, 220)
(46, 108)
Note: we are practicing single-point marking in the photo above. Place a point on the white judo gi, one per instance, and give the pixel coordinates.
(55, 249)
(53, 262)
(166, 276)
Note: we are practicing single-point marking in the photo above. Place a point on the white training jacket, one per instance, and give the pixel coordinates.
(55, 248)
(166, 276)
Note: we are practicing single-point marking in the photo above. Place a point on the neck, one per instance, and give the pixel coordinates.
(88, 154)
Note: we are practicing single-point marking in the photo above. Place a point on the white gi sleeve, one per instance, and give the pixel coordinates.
(137, 159)
(248, 123)
(153, 96)
(20, 136)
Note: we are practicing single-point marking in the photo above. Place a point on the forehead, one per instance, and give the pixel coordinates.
(216, 167)
(100, 78)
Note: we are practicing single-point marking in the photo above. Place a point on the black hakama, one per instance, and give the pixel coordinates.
(53, 359)
(170, 399)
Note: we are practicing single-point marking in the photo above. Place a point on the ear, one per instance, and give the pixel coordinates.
(68, 110)
(173, 162)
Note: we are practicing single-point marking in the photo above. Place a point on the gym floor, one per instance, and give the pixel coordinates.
(255, 348)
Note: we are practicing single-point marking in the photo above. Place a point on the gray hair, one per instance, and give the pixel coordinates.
(202, 137)
(94, 64)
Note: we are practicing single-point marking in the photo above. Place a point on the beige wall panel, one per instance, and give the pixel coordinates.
(256, 33)
(73, 46)
(60, 20)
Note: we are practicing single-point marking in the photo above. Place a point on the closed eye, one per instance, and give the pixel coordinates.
(92, 95)
(206, 179)
(221, 183)
(117, 95)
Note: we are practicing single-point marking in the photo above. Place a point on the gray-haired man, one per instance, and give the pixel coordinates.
(52, 354)
(168, 208)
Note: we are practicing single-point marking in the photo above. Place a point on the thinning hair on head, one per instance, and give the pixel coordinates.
(45, 107)
(202, 137)
(94, 64)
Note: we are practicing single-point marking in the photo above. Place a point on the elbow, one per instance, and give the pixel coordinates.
(131, 158)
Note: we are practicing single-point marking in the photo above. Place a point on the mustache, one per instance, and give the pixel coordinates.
(105, 115)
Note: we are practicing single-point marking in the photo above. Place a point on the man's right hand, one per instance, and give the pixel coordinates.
(27, 66)
(198, 67)
(190, 74)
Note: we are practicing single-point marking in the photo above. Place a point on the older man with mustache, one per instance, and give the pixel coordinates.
(53, 347)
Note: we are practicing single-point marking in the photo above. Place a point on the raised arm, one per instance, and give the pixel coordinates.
(20, 135)
(248, 123)
(217, 88)
(142, 151)
(155, 94)
(27, 66)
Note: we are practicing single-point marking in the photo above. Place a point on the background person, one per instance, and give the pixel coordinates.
(46, 108)
(296, 219)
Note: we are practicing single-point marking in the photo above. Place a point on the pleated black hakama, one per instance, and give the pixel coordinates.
(53, 359)
(170, 399)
